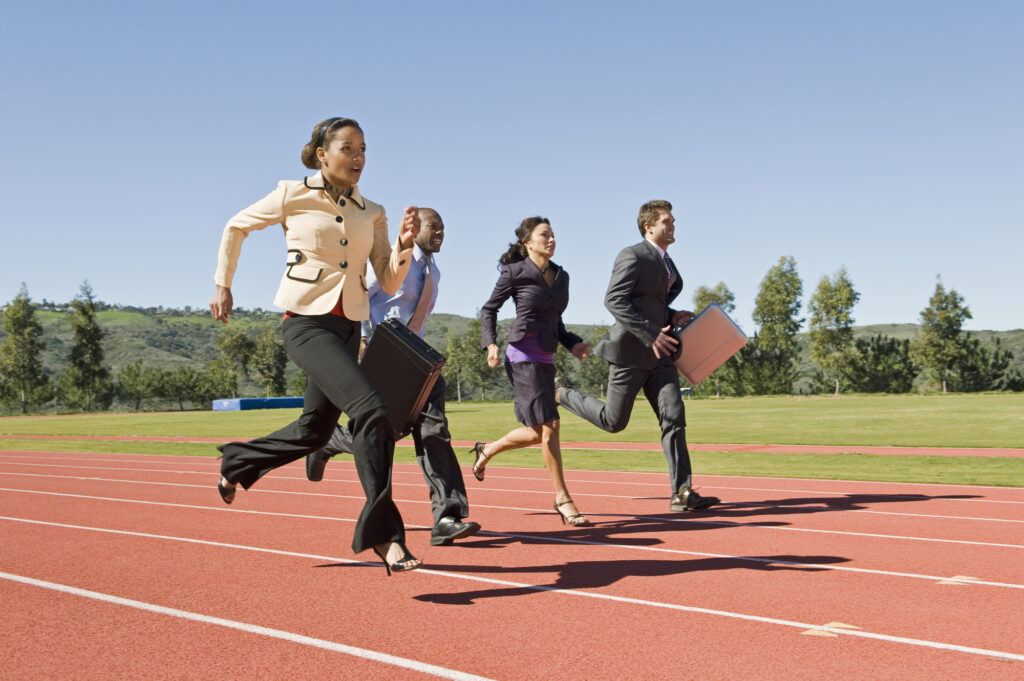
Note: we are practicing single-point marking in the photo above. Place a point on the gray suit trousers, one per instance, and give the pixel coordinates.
(661, 388)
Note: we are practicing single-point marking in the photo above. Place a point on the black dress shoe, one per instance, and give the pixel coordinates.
(448, 529)
(688, 500)
(315, 465)
(227, 492)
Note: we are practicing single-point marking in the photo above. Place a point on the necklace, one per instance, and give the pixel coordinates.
(341, 192)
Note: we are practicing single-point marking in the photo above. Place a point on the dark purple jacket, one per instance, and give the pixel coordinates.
(538, 307)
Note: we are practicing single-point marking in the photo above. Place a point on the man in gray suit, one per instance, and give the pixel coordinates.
(640, 347)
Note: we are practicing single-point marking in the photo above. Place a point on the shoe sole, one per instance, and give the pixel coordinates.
(446, 541)
(689, 508)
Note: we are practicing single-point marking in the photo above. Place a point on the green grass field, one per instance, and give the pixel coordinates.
(995, 420)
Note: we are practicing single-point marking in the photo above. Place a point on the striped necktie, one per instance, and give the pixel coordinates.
(419, 315)
(673, 273)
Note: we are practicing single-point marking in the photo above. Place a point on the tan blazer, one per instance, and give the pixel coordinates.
(328, 246)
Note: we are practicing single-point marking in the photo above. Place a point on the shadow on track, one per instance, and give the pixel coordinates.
(803, 505)
(602, 573)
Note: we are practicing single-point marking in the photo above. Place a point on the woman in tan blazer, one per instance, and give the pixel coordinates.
(331, 231)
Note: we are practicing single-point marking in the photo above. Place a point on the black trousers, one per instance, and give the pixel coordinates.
(325, 347)
(661, 388)
(434, 454)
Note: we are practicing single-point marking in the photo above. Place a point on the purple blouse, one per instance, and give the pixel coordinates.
(528, 350)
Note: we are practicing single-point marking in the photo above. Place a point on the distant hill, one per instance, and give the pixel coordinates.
(168, 338)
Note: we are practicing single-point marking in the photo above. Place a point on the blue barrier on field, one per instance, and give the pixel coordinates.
(241, 403)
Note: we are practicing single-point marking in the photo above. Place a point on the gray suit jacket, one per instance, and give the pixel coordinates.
(638, 297)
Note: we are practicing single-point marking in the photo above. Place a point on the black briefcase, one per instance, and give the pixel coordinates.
(403, 369)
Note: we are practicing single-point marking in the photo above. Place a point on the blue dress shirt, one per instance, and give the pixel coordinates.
(403, 303)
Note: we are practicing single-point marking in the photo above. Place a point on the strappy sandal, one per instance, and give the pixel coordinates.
(481, 458)
(227, 492)
(403, 563)
(577, 520)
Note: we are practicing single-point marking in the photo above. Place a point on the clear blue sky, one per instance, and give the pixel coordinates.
(884, 136)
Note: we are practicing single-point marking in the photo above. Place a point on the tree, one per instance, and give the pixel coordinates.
(724, 298)
(881, 365)
(770, 363)
(21, 355)
(720, 295)
(939, 346)
(1004, 376)
(777, 306)
(831, 328)
(298, 383)
(593, 371)
(756, 370)
(980, 368)
(222, 377)
(182, 385)
(473, 360)
(452, 370)
(236, 347)
(86, 382)
(136, 382)
(270, 359)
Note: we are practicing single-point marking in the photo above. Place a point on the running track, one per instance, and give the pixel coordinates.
(121, 566)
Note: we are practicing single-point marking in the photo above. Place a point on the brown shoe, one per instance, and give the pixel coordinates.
(560, 386)
(688, 500)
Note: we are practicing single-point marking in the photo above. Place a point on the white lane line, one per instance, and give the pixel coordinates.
(719, 523)
(348, 465)
(384, 658)
(570, 592)
(529, 537)
(819, 508)
(758, 525)
(573, 477)
(657, 477)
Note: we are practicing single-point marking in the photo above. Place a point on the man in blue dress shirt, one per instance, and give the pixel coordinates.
(411, 305)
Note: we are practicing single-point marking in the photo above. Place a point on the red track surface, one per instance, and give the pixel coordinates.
(118, 566)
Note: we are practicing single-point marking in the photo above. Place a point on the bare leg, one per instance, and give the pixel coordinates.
(546, 435)
(552, 451)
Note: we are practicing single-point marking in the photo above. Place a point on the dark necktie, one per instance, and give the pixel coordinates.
(673, 273)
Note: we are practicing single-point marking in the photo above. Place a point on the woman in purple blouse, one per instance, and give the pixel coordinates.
(540, 289)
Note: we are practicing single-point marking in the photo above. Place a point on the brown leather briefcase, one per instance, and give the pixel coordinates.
(403, 369)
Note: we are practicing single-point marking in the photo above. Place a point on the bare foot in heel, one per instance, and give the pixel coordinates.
(396, 557)
(568, 513)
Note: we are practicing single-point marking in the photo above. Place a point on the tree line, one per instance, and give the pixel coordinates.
(88, 384)
(944, 354)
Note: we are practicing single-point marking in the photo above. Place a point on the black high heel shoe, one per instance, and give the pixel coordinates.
(403, 563)
(478, 470)
(226, 493)
(577, 520)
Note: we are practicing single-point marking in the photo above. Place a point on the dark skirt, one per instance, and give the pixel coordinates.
(533, 389)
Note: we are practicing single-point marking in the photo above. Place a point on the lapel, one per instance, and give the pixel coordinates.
(657, 264)
(317, 182)
(531, 269)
